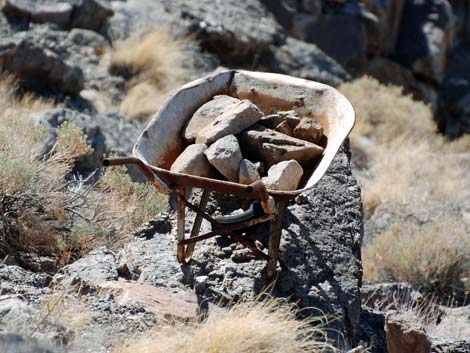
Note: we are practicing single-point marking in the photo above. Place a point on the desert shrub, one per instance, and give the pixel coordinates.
(43, 208)
(434, 256)
(113, 208)
(154, 63)
(248, 327)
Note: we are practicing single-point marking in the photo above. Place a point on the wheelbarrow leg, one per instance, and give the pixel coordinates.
(188, 253)
(180, 225)
(275, 231)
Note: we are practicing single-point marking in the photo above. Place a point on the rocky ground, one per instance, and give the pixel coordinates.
(60, 50)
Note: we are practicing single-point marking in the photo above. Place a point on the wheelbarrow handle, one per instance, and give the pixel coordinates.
(267, 202)
(159, 184)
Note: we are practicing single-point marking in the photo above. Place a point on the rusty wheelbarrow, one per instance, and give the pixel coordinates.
(161, 143)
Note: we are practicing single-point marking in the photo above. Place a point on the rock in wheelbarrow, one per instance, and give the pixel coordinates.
(206, 114)
(284, 176)
(193, 161)
(271, 147)
(232, 121)
(248, 172)
(225, 155)
(308, 129)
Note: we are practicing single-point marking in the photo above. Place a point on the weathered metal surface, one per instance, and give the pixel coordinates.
(160, 144)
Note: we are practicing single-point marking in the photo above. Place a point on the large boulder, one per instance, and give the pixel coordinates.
(40, 68)
(425, 37)
(37, 11)
(319, 255)
(308, 61)
(88, 14)
(340, 35)
(454, 98)
(233, 29)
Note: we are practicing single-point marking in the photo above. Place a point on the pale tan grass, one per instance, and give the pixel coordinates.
(408, 171)
(67, 310)
(434, 256)
(156, 64)
(269, 326)
(383, 113)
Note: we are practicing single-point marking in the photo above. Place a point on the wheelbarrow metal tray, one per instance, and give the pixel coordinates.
(161, 142)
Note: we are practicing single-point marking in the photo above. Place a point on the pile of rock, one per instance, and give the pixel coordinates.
(225, 130)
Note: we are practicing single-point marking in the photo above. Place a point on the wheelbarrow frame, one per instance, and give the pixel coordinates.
(160, 144)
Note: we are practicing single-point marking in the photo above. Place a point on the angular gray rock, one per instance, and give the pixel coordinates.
(233, 120)
(225, 155)
(39, 67)
(308, 129)
(319, 256)
(89, 272)
(108, 134)
(59, 13)
(10, 342)
(271, 147)
(193, 161)
(206, 114)
(248, 172)
(450, 346)
(284, 176)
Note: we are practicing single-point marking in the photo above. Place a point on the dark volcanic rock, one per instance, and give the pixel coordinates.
(319, 255)
(450, 346)
(38, 11)
(454, 98)
(425, 36)
(88, 14)
(341, 36)
(40, 68)
(305, 60)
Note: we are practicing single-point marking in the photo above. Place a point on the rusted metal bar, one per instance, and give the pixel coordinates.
(275, 232)
(159, 184)
(180, 225)
(228, 229)
(188, 253)
(266, 201)
(249, 245)
(201, 213)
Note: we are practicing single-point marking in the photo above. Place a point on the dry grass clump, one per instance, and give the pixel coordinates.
(419, 181)
(155, 63)
(268, 326)
(434, 256)
(114, 207)
(383, 113)
(415, 173)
